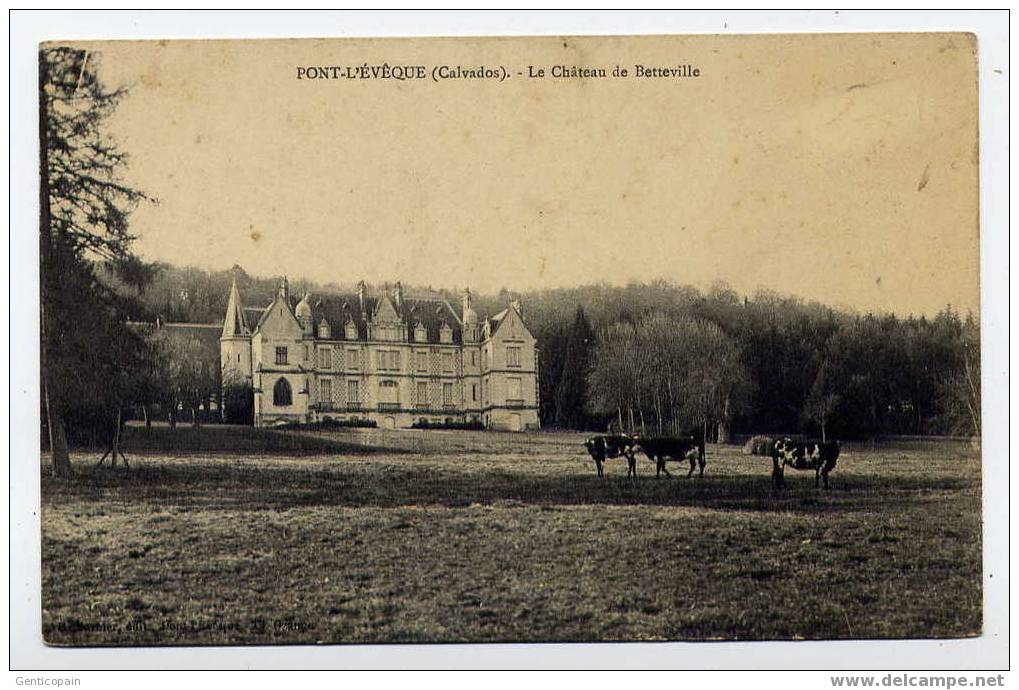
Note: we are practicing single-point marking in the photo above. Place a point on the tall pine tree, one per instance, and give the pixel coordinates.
(571, 393)
(83, 211)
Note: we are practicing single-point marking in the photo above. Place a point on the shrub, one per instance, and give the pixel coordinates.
(238, 401)
(448, 423)
(759, 445)
(330, 423)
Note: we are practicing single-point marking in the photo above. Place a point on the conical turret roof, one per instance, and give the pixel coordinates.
(234, 324)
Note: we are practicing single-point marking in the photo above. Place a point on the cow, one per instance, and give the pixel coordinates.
(688, 447)
(612, 446)
(819, 456)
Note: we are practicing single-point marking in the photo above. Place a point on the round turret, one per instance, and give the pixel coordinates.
(303, 307)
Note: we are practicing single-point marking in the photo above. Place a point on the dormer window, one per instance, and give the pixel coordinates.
(324, 331)
(445, 334)
(350, 331)
(420, 334)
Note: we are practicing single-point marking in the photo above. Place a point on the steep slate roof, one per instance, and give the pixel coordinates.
(496, 321)
(337, 309)
(206, 334)
(253, 314)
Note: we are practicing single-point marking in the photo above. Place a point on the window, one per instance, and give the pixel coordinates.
(324, 331)
(422, 397)
(352, 392)
(350, 330)
(447, 362)
(474, 358)
(513, 356)
(388, 360)
(422, 361)
(389, 331)
(389, 395)
(420, 334)
(281, 393)
(325, 358)
(445, 334)
(325, 391)
(514, 394)
(281, 356)
(474, 392)
(447, 394)
(353, 359)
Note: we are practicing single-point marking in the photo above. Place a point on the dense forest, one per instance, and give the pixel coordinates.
(658, 356)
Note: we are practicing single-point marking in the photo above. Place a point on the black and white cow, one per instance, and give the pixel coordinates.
(682, 448)
(819, 456)
(612, 446)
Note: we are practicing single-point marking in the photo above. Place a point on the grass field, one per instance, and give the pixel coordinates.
(436, 536)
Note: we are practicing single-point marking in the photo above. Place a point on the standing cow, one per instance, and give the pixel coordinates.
(819, 456)
(612, 446)
(683, 448)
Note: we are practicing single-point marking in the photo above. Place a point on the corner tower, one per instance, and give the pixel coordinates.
(235, 343)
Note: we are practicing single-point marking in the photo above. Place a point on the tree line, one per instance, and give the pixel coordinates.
(766, 363)
(659, 356)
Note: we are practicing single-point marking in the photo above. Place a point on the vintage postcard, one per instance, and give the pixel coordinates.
(531, 339)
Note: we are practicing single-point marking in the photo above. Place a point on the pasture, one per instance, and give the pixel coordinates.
(450, 536)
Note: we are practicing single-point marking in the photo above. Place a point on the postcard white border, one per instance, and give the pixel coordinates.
(27, 29)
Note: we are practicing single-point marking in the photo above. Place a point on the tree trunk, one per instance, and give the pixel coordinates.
(54, 414)
(147, 416)
(116, 438)
(723, 425)
(723, 432)
(58, 438)
(824, 433)
(173, 416)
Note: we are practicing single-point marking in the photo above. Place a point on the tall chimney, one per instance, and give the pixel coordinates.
(362, 295)
(284, 291)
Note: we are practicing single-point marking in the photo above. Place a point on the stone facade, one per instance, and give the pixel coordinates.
(389, 358)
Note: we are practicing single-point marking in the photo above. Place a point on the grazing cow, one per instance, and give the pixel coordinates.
(689, 447)
(612, 446)
(819, 456)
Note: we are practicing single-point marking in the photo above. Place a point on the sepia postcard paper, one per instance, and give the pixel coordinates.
(530, 339)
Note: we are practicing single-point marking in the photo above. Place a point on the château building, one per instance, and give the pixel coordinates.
(387, 357)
